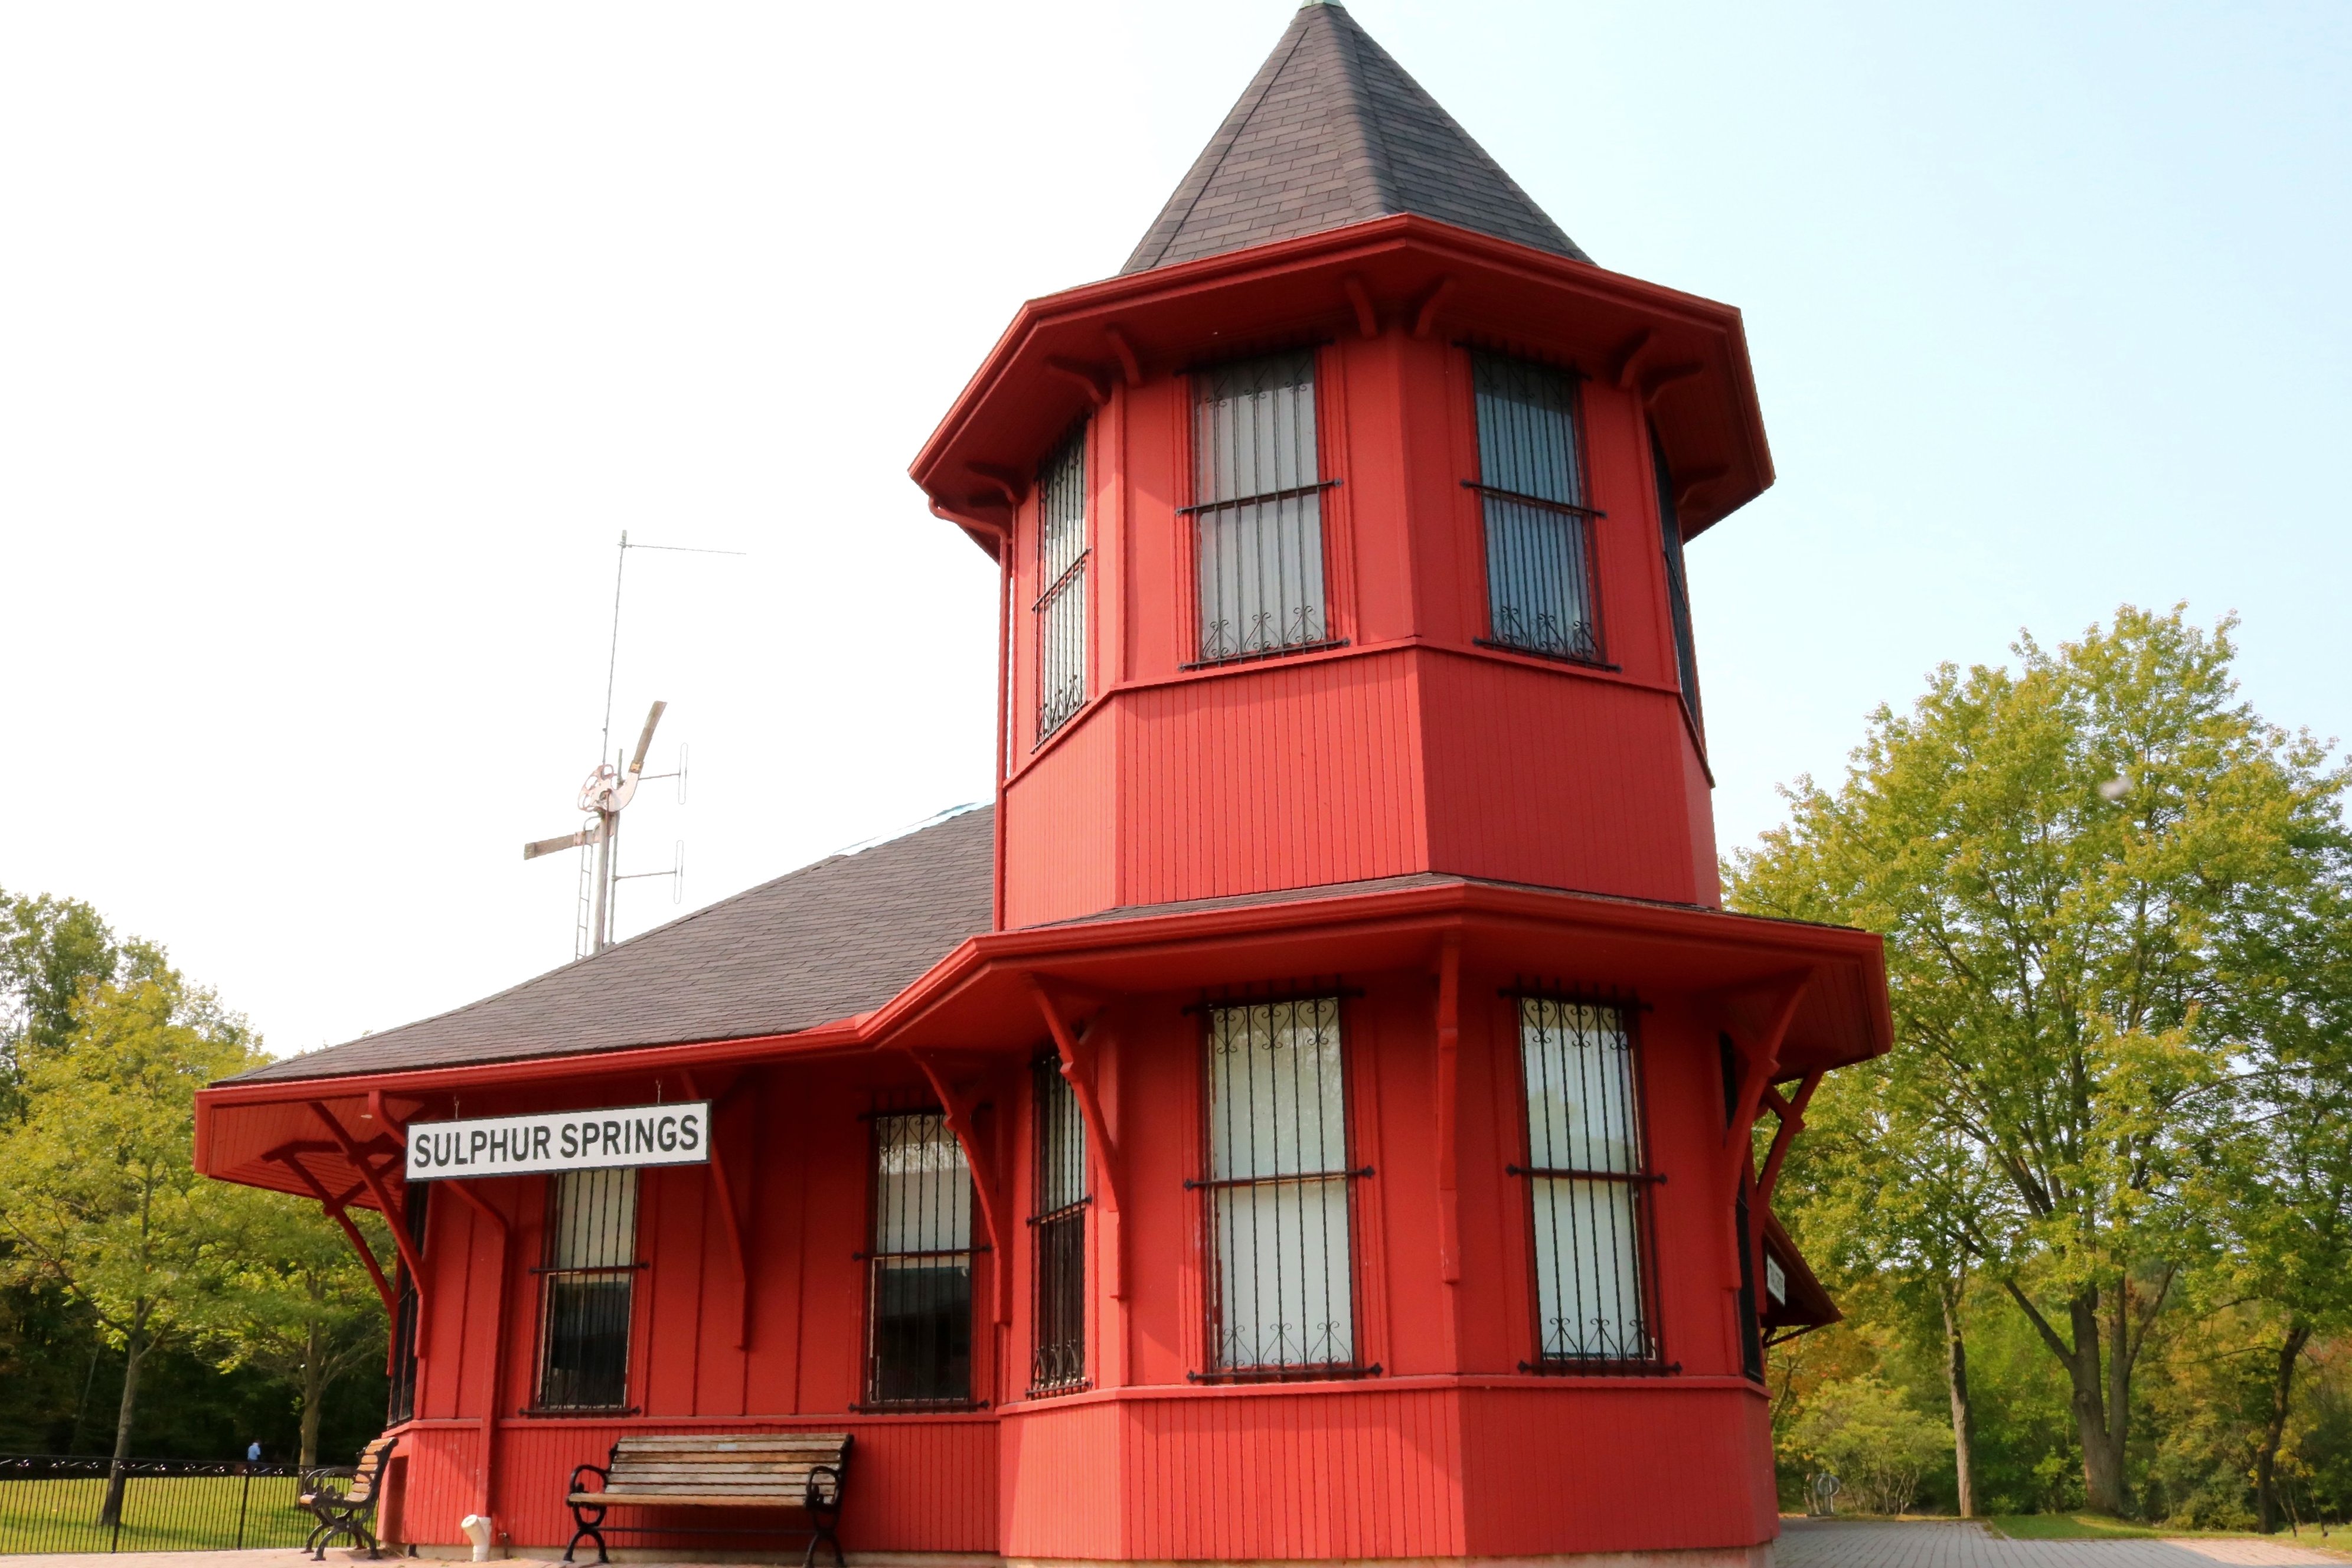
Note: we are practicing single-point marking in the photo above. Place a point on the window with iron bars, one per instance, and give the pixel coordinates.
(918, 1270)
(1257, 507)
(1588, 1185)
(1058, 1235)
(1061, 608)
(401, 1404)
(1280, 1208)
(1539, 579)
(1670, 539)
(588, 1283)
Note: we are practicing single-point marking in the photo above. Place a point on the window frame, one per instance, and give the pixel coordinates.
(552, 1274)
(1643, 1182)
(1580, 513)
(873, 1259)
(1070, 581)
(1678, 614)
(1194, 510)
(1057, 1233)
(1213, 1369)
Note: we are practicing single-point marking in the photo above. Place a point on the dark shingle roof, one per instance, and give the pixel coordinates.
(837, 937)
(1333, 132)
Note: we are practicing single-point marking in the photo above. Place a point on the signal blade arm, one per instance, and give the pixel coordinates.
(592, 834)
(645, 739)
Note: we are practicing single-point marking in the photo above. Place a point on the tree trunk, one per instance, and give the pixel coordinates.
(2099, 1428)
(1956, 1376)
(2298, 1334)
(314, 1389)
(136, 1351)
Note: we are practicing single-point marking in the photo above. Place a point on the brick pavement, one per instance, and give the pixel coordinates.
(1826, 1543)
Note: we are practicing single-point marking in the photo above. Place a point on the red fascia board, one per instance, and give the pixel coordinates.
(1020, 350)
(1098, 948)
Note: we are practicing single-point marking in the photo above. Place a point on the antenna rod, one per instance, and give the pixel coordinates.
(612, 667)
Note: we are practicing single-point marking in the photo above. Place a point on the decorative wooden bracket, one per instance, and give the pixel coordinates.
(958, 1110)
(1763, 1064)
(1079, 1072)
(334, 1207)
(1449, 1079)
(722, 1183)
(1665, 376)
(396, 1213)
(1791, 1114)
(1085, 375)
(1367, 320)
(1623, 363)
(1424, 317)
(1005, 481)
(1128, 365)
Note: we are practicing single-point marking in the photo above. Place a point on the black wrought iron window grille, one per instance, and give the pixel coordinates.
(399, 1403)
(1060, 611)
(920, 1263)
(1257, 507)
(1058, 1235)
(1540, 594)
(1278, 1191)
(587, 1289)
(1589, 1186)
(1670, 539)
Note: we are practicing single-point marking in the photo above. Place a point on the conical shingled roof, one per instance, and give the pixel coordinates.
(1333, 132)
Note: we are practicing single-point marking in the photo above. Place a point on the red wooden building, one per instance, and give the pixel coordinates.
(1314, 1113)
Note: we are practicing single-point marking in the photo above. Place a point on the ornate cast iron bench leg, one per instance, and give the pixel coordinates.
(590, 1528)
(823, 1517)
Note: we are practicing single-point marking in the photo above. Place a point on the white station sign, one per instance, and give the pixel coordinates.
(677, 1133)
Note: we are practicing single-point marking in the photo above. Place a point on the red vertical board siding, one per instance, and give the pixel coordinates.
(1538, 775)
(443, 1467)
(1061, 1482)
(1617, 1467)
(1279, 776)
(1057, 810)
(1365, 1472)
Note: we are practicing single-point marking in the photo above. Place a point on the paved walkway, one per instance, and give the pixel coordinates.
(1804, 1543)
(1823, 1543)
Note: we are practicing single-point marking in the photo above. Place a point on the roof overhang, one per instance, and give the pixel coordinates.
(981, 997)
(1685, 356)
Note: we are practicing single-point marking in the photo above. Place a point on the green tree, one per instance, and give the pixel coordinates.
(51, 952)
(296, 1303)
(1862, 1432)
(101, 1196)
(2279, 1174)
(2065, 860)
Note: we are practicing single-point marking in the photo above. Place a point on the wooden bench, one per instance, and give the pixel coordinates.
(345, 1510)
(799, 1471)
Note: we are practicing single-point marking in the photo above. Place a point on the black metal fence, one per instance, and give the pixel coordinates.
(49, 1503)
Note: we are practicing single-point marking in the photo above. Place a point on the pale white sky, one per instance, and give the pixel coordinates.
(338, 345)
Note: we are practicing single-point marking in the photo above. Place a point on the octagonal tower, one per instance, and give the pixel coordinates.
(1342, 534)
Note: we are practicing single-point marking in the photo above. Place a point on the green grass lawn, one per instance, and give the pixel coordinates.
(160, 1513)
(2097, 1527)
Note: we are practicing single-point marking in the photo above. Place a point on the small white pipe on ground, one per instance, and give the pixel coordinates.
(476, 1527)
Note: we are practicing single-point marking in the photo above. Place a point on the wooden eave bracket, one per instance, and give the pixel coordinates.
(1130, 367)
(957, 1109)
(290, 1156)
(1791, 1115)
(722, 1183)
(1095, 385)
(1359, 299)
(1424, 315)
(1078, 1064)
(395, 1213)
(1762, 1064)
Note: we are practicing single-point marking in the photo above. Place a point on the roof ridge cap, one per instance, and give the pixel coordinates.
(1365, 122)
